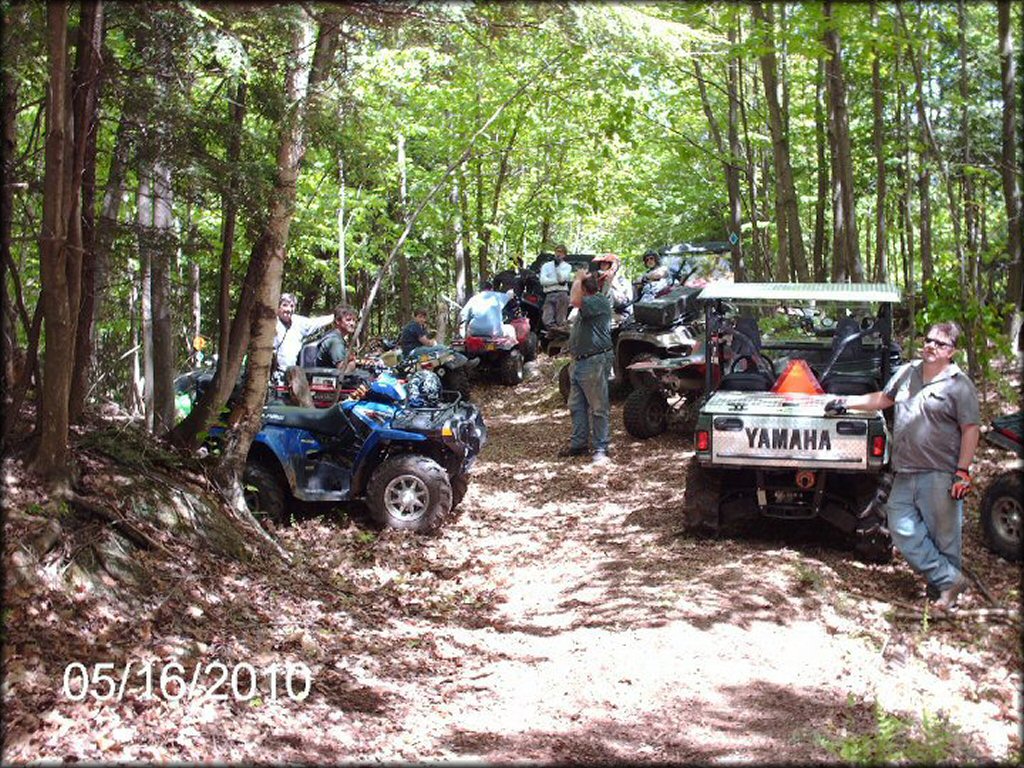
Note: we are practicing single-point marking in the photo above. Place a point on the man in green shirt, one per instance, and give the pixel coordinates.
(590, 344)
(332, 352)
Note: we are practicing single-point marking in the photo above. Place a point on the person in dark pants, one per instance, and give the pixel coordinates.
(590, 344)
(935, 435)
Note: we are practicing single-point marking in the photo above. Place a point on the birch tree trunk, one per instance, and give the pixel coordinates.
(404, 298)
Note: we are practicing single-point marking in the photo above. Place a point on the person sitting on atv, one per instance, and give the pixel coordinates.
(656, 277)
(484, 313)
(614, 284)
(291, 330)
(415, 333)
(332, 351)
(555, 277)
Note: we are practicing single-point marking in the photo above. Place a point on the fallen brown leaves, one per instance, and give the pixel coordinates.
(562, 615)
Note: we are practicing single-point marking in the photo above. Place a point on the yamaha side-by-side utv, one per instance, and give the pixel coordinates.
(764, 447)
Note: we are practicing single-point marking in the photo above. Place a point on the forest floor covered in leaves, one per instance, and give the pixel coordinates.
(562, 616)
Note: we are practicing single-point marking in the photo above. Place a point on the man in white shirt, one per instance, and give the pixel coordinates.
(555, 277)
(483, 313)
(291, 330)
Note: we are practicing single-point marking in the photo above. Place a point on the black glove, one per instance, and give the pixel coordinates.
(835, 407)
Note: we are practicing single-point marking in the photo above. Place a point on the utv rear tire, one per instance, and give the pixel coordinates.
(701, 496)
(529, 347)
(511, 371)
(645, 413)
(1001, 516)
(874, 547)
(410, 493)
(265, 493)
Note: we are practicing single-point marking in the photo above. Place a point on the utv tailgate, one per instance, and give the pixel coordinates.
(763, 429)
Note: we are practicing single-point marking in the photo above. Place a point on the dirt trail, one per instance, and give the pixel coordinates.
(564, 616)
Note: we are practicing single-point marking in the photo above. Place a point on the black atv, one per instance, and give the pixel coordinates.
(660, 354)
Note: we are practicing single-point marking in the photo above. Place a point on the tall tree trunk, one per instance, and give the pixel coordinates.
(87, 85)
(51, 457)
(144, 208)
(739, 267)
(821, 139)
(881, 272)
(757, 234)
(845, 220)
(404, 298)
(790, 230)
(165, 246)
(906, 173)
(969, 287)
(1010, 173)
(13, 355)
(229, 207)
(454, 199)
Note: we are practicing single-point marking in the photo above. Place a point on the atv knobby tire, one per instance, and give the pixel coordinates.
(1001, 516)
(529, 347)
(460, 484)
(457, 380)
(511, 371)
(645, 413)
(409, 493)
(265, 493)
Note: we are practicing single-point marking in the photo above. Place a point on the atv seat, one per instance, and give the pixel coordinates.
(746, 381)
(849, 384)
(308, 355)
(330, 421)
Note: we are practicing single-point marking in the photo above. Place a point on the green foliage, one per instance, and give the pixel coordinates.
(603, 143)
(892, 738)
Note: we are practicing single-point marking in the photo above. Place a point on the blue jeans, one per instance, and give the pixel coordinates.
(925, 523)
(588, 401)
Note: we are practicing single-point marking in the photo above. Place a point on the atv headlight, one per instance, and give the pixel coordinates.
(446, 430)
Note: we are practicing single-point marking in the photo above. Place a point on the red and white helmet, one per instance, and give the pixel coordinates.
(610, 260)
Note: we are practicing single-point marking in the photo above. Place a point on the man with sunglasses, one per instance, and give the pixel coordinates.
(935, 435)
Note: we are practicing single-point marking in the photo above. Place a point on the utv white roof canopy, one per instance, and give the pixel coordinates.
(847, 292)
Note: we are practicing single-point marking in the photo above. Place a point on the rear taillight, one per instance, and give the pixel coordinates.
(878, 446)
(703, 440)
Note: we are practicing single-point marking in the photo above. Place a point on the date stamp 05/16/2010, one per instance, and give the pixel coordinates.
(106, 681)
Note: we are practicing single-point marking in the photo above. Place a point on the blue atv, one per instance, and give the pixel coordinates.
(400, 448)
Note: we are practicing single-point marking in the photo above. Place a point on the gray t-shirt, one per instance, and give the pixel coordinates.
(929, 417)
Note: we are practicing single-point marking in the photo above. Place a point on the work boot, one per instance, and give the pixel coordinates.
(568, 450)
(947, 599)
